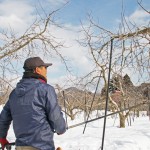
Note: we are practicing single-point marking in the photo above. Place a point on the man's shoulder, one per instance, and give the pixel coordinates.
(46, 85)
(49, 89)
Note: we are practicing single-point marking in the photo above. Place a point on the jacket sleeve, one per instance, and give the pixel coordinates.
(55, 116)
(5, 120)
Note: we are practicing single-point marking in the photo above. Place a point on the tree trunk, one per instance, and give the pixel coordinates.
(138, 113)
(72, 116)
(122, 120)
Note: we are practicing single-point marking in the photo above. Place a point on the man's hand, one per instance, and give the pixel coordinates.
(60, 133)
(3, 142)
(59, 148)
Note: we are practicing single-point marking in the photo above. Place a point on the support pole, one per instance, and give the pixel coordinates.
(106, 107)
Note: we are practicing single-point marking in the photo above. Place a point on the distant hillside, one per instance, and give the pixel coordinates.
(78, 98)
(144, 88)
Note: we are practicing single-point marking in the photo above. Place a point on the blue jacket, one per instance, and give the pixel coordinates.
(36, 115)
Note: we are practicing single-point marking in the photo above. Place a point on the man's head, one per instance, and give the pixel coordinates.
(36, 65)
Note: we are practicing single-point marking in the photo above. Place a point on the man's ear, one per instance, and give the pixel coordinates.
(37, 70)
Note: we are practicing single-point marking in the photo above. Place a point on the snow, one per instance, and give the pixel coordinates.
(134, 137)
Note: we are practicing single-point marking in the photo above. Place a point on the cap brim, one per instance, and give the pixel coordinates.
(47, 64)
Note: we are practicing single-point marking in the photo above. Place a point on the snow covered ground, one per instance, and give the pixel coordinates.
(134, 137)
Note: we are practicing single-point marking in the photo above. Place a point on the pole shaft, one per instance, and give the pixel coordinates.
(106, 107)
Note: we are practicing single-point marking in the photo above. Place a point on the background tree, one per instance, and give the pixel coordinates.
(76, 101)
(131, 44)
(36, 40)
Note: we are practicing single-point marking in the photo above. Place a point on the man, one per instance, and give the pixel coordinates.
(34, 109)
